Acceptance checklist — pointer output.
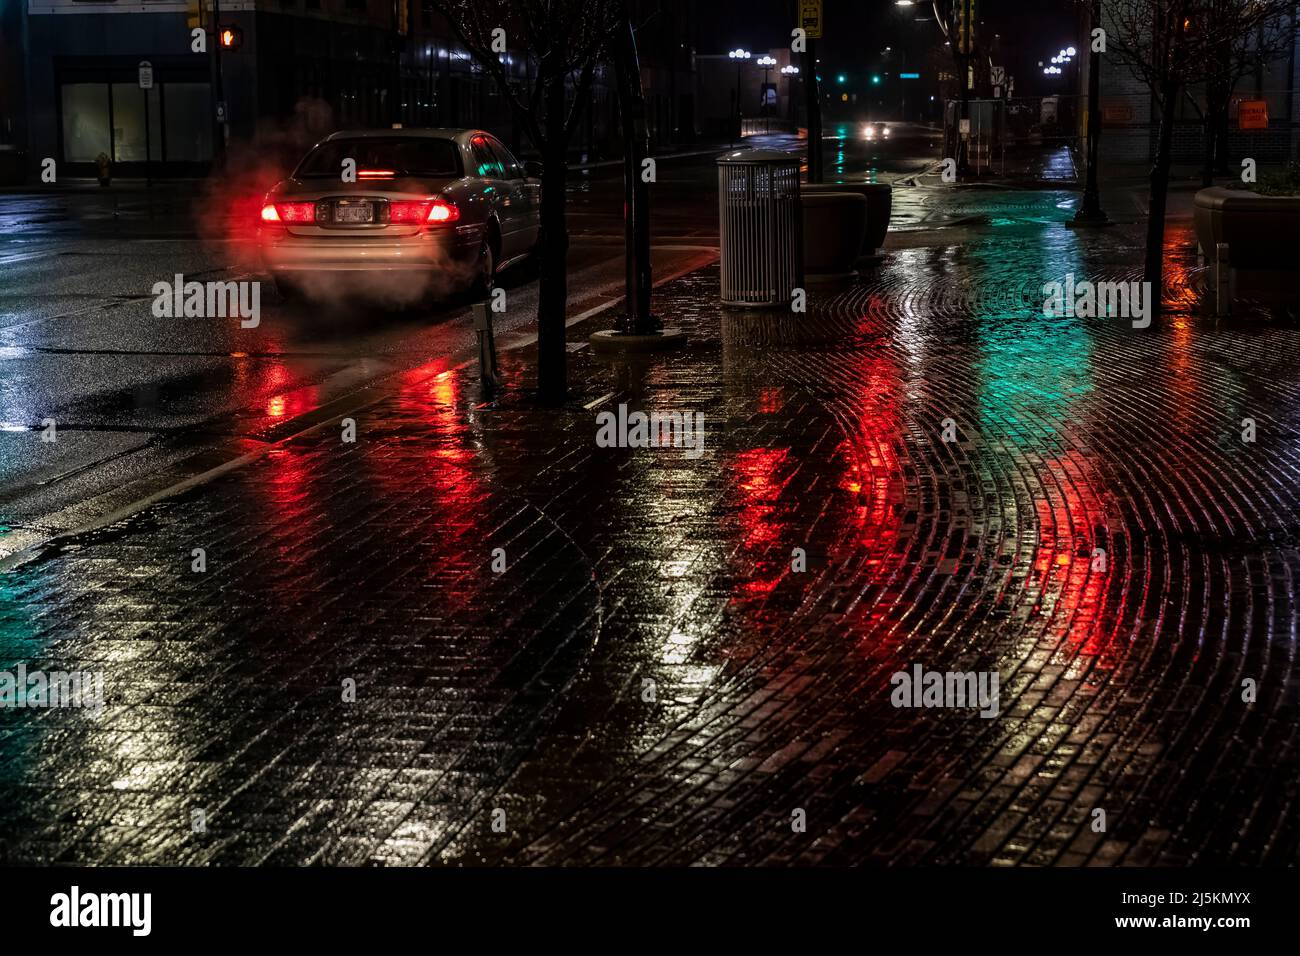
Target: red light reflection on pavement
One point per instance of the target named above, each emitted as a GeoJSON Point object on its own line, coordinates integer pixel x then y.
{"type": "Point", "coordinates": [433, 478]}
{"type": "Point", "coordinates": [294, 496]}
{"type": "Point", "coordinates": [294, 403]}
{"type": "Point", "coordinates": [875, 472]}
{"type": "Point", "coordinates": [755, 475]}
{"type": "Point", "coordinates": [1070, 593]}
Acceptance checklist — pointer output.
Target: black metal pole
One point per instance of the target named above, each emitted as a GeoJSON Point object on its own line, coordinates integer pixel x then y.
{"type": "Point", "coordinates": [148, 147]}
{"type": "Point", "coordinates": [639, 277]}
{"type": "Point", "coordinates": [812, 98]}
{"type": "Point", "coordinates": [395, 114]}
{"type": "Point", "coordinates": [736, 131]}
{"type": "Point", "coordinates": [767, 115]}
{"type": "Point", "coordinates": [963, 143]}
{"type": "Point", "coordinates": [222, 124]}
{"type": "Point", "coordinates": [1090, 211]}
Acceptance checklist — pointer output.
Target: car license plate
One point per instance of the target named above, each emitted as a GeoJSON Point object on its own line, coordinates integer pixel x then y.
{"type": "Point", "coordinates": [353, 212]}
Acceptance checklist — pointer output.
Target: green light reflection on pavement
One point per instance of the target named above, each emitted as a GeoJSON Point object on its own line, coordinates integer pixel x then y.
{"type": "Point", "coordinates": [1031, 368]}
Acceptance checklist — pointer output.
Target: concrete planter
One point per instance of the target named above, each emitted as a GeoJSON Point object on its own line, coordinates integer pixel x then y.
{"type": "Point", "coordinates": [1262, 239]}
{"type": "Point", "coordinates": [880, 206]}
{"type": "Point", "coordinates": [834, 224]}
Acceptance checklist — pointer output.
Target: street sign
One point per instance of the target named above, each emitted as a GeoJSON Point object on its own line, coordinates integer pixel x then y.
{"type": "Point", "coordinates": [998, 75]}
{"type": "Point", "coordinates": [146, 75]}
{"type": "Point", "coordinates": [1252, 114]}
{"type": "Point", "coordinates": [1117, 111]}
{"type": "Point", "coordinates": [964, 127]}
{"type": "Point", "coordinates": [810, 18]}
{"type": "Point", "coordinates": [221, 112]}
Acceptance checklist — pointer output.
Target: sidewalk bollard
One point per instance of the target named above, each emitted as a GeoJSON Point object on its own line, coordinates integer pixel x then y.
{"type": "Point", "coordinates": [1222, 279]}
{"type": "Point", "coordinates": [487, 347]}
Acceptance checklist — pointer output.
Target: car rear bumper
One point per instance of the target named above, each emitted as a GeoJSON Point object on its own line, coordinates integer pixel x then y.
{"type": "Point", "coordinates": [425, 252]}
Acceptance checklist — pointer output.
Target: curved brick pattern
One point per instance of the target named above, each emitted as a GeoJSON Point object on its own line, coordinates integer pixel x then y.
{"type": "Point", "coordinates": [980, 554]}
{"type": "Point", "coordinates": [644, 570]}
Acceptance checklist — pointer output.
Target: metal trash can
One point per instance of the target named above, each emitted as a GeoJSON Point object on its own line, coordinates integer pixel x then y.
{"type": "Point", "coordinates": [761, 227]}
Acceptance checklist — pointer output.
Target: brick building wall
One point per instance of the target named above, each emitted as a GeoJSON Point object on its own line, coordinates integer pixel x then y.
{"type": "Point", "coordinates": [1130, 122]}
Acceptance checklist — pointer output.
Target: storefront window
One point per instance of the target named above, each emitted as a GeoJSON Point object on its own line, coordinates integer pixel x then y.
{"type": "Point", "coordinates": [129, 132]}
{"type": "Point", "coordinates": [109, 117]}
{"type": "Point", "coordinates": [85, 121]}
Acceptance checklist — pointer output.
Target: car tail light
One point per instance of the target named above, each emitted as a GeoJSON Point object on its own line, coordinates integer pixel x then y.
{"type": "Point", "coordinates": [282, 212]}
{"type": "Point", "coordinates": [296, 211]}
{"type": "Point", "coordinates": [375, 174]}
{"type": "Point", "coordinates": [433, 212]}
{"type": "Point", "coordinates": [441, 211]}
{"type": "Point", "coordinates": [409, 212]}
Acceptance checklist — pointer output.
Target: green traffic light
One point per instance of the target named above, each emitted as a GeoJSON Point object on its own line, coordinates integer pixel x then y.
{"type": "Point", "coordinates": [841, 78]}
{"type": "Point", "coordinates": [875, 79]}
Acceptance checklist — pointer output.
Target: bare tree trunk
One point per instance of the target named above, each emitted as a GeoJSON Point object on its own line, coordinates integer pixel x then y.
{"type": "Point", "coordinates": [1222, 126]}
{"type": "Point", "coordinates": [1154, 268]}
{"type": "Point", "coordinates": [553, 243]}
{"type": "Point", "coordinates": [1208, 125]}
{"type": "Point", "coordinates": [1216, 119]}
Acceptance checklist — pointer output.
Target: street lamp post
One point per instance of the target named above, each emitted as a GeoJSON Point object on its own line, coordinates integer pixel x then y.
{"type": "Point", "coordinates": [766, 62]}
{"type": "Point", "coordinates": [790, 72]}
{"type": "Point", "coordinates": [740, 55]}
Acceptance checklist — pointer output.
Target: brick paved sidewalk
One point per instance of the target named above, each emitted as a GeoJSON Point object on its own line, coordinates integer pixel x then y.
{"type": "Point", "coordinates": [648, 681]}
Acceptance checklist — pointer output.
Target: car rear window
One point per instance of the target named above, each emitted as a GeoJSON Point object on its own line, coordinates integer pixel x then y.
{"type": "Point", "coordinates": [410, 157]}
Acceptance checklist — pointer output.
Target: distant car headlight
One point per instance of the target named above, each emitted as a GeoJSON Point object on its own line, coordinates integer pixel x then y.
{"type": "Point", "coordinates": [869, 132]}
{"type": "Point", "coordinates": [885, 130]}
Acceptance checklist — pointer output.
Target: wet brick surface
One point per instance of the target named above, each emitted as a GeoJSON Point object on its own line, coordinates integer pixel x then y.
{"type": "Point", "coordinates": [527, 691]}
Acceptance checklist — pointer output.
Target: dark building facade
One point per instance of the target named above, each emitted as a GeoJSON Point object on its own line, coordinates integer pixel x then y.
{"type": "Point", "coordinates": [299, 68]}
{"type": "Point", "coordinates": [13, 89]}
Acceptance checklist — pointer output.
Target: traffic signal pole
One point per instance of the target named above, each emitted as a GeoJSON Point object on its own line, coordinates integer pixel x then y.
{"type": "Point", "coordinates": [965, 46]}
{"type": "Point", "coordinates": [221, 121]}
{"type": "Point", "coordinates": [812, 99]}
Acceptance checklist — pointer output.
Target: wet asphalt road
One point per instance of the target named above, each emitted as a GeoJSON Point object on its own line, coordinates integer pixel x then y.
{"type": "Point", "coordinates": [131, 394]}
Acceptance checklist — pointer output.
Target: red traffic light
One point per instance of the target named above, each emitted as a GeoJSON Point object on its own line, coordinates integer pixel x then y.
{"type": "Point", "coordinates": [231, 38]}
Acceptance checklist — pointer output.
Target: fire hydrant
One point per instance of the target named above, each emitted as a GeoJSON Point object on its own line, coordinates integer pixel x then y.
{"type": "Point", "coordinates": [101, 163]}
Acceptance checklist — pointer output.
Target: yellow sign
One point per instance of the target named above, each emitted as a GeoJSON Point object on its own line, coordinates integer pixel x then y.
{"type": "Point", "coordinates": [810, 18]}
{"type": "Point", "coordinates": [1252, 114]}
{"type": "Point", "coordinates": [966, 20]}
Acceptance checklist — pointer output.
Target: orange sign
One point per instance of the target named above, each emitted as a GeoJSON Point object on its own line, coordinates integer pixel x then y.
{"type": "Point", "coordinates": [1117, 112]}
{"type": "Point", "coordinates": [1252, 114]}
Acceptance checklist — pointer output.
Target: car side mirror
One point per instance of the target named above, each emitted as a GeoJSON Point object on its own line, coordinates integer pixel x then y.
{"type": "Point", "coordinates": [533, 170]}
